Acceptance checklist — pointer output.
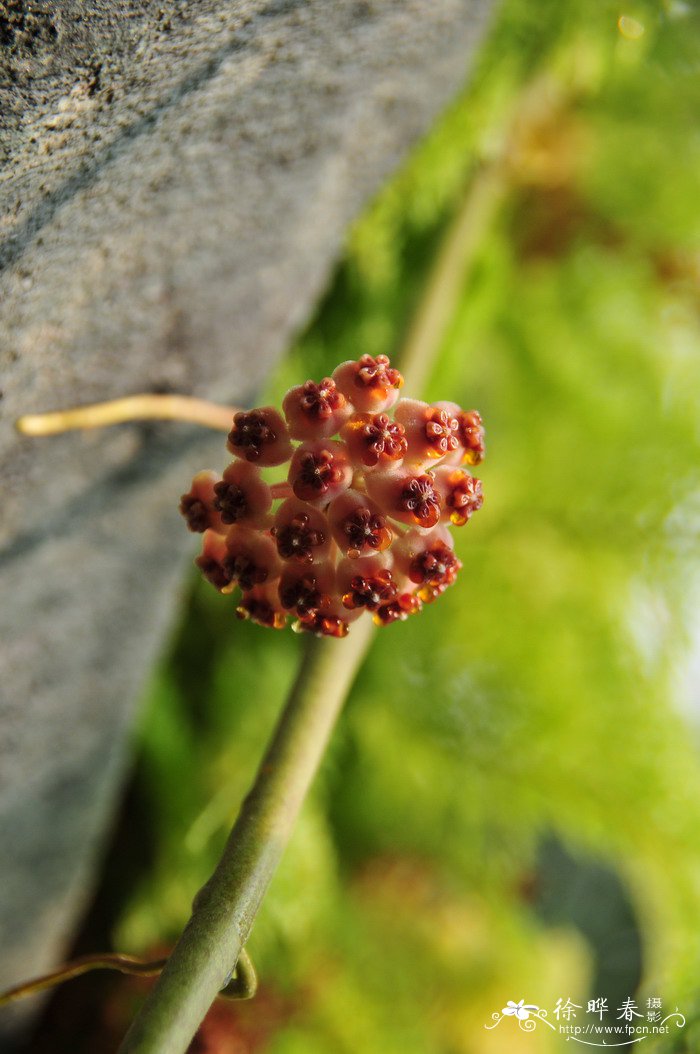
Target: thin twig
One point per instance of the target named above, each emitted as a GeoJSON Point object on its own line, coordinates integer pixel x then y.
{"type": "Point", "coordinates": [242, 985]}
{"type": "Point", "coordinates": [144, 407]}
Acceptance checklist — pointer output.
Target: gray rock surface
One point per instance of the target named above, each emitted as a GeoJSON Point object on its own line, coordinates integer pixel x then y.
{"type": "Point", "coordinates": [176, 181]}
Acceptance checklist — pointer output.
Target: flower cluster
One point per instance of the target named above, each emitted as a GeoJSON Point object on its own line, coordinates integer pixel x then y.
{"type": "Point", "coordinates": [361, 521]}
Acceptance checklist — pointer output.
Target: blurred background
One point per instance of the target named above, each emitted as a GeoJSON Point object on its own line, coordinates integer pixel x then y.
{"type": "Point", "coordinates": [510, 808]}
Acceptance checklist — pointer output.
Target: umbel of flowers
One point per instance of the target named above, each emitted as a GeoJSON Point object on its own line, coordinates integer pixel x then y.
{"type": "Point", "coordinates": [361, 521]}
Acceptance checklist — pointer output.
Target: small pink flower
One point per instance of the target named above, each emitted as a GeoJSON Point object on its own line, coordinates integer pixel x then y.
{"type": "Point", "coordinates": [304, 589]}
{"type": "Point", "coordinates": [428, 560]}
{"type": "Point", "coordinates": [301, 532]}
{"type": "Point", "coordinates": [251, 558]}
{"type": "Point", "coordinates": [397, 610]}
{"type": "Point", "coordinates": [471, 448]}
{"type": "Point", "coordinates": [260, 436]}
{"type": "Point", "coordinates": [320, 470]}
{"type": "Point", "coordinates": [407, 496]}
{"type": "Point", "coordinates": [212, 560]}
{"type": "Point", "coordinates": [261, 604]}
{"type": "Point", "coordinates": [358, 525]}
{"type": "Point", "coordinates": [331, 621]}
{"type": "Point", "coordinates": [366, 583]}
{"type": "Point", "coordinates": [369, 384]}
{"type": "Point", "coordinates": [432, 432]}
{"type": "Point", "coordinates": [461, 494]}
{"type": "Point", "coordinates": [242, 496]}
{"type": "Point", "coordinates": [374, 439]}
{"type": "Point", "coordinates": [315, 411]}
{"type": "Point", "coordinates": [198, 506]}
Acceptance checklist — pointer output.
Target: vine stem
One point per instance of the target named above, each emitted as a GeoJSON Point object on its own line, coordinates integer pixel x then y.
{"type": "Point", "coordinates": [224, 910]}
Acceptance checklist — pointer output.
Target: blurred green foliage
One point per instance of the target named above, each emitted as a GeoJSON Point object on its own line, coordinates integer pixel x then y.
{"type": "Point", "coordinates": [511, 805]}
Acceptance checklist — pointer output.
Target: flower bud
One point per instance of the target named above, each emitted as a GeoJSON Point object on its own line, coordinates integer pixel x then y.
{"type": "Point", "coordinates": [260, 436]}
{"type": "Point", "coordinates": [367, 383]}
{"type": "Point", "coordinates": [320, 470]}
{"type": "Point", "coordinates": [315, 411]}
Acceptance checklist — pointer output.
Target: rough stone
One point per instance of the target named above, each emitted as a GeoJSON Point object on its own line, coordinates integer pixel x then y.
{"type": "Point", "coordinates": [176, 181]}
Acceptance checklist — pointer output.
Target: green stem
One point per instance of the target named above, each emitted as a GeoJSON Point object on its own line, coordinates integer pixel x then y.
{"type": "Point", "coordinates": [225, 907]}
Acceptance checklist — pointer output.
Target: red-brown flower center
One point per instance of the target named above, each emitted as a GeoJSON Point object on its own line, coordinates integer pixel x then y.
{"type": "Point", "coordinates": [231, 501]}
{"type": "Point", "coordinates": [213, 571]}
{"type": "Point", "coordinates": [471, 432]}
{"type": "Point", "coordinates": [262, 612]}
{"type": "Point", "coordinates": [320, 400]}
{"type": "Point", "coordinates": [381, 435]}
{"type": "Point", "coordinates": [242, 569]}
{"type": "Point", "coordinates": [323, 625]}
{"type": "Point", "coordinates": [195, 512]}
{"type": "Point", "coordinates": [370, 592]}
{"type": "Point", "coordinates": [251, 432]}
{"type": "Point", "coordinates": [377, 373]}
{"type": "Point", "coordinates": [317, 474]}
{"type": "Point", "coordinates": [436, 567]}
{"type": "Point", "coordinates": [298, 539]}
{"type": "Point", "coordinates": [397, 609]}
{"type": "Point", "coordinates": [303, 595]}
{"type": "Point", "coordinates": [441, 432]}
{"type": "Point", "coordinates": [366, 530]}
{"type": "Point", "coordinates": [465, 498]}
{"type": "Point", "coordinates": [419, 498]}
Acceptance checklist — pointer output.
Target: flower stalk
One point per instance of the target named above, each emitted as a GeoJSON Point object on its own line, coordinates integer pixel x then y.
{"type": "Point", "coordinates": [225, 908]}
